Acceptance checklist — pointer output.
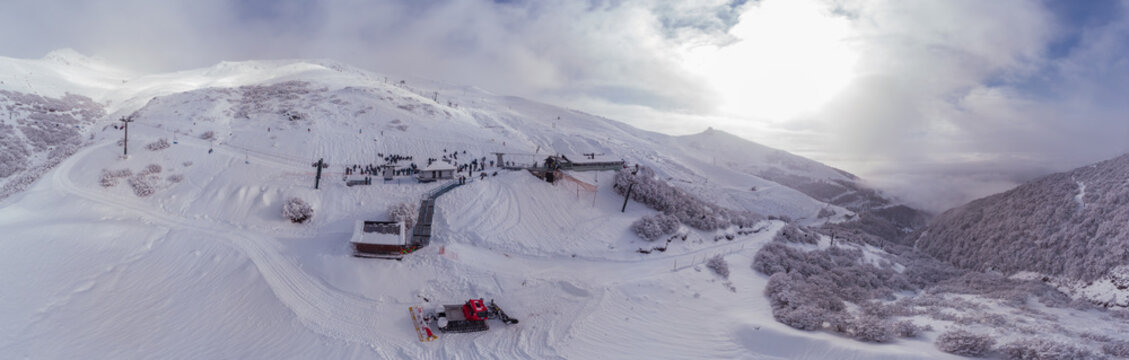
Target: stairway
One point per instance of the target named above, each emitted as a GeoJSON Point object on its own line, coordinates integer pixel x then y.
{"type": "Point", "coordinates": [421, 232]}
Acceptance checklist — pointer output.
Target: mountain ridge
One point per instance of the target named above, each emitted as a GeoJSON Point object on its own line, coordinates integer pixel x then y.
{"type": "Point", "coordinates": [1067, 227]}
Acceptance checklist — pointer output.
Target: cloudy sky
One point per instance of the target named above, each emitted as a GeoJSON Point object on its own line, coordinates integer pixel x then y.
{"type": "Point", "coordinates": [935, 101]}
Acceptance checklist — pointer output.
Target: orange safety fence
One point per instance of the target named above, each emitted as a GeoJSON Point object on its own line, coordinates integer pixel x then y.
{"type": "Point", "coordinates": [579, 183]}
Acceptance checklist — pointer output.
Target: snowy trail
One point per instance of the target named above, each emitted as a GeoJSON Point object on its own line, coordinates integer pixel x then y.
{"type": "Point", "coordinates": [321, 308]}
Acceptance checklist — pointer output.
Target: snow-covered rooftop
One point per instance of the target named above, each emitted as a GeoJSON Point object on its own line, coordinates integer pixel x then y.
{"type": "Point", "coordinates": [585, 159]}
{"type": "Point", "coordinates": [438, 166]}
{"type": "Point", "coordinates": [378, 233]}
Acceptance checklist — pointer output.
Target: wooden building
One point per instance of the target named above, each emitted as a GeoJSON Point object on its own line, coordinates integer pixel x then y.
{"type": "Point", "coordinates": [380, 239]}
{"type": "Point", "coordinates": [438, 170]}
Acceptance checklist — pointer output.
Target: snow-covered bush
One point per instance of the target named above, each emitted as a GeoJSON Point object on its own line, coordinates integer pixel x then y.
{"type": "Point", "coordinates": [800, 304]}
{"type": "Point", "coordinates": [877, 309]}
{"type": "Point", "coordinates": [1044, 349]}
{"type": "Point", "coordinates": [297, 210]}
{"type": "Point", "coordinates": [110, 177]}
{"type": "Point", "coordinates": [997, 286]}
{"type": "Point", "coordinates": [13, 154]}
{"type": "Point", "coordinates": [143, 185]}
{"type": "Point", "coordinates": [825, 213]}
{"type": "Point", "coordinates": [906, 329]}
{"type": "Point", "coordinates": [44, 133]}
{"type": "Point", "coordinates": [803, 317]}
{"type": "Point", "coordinates": [1116, 348]}
{"type": "Point", "coordinates": [775, 258]}
{"type": "Point", "coordinates": [793, 234]}
{"type": "Point", "coordinates": [964, 343]}
{"type": "Point", "coordinates": [278, 99]}
{"type": "Point", "coordinates": [719, 266]}
{"type": "Point", "coordinates": [688, 209]}
{"type": "Point", "coordinates": [872, 329]}
{"type": "Point", "coordinates": [922, 270]}
{"type": "Point", "coordinates": [405, 212]}
{"type": "Point", "coordinates": [160, 144]}
{"type": "Point", "coordinates": [175, 178]}
{"type": "Point", "coordinates": [152, 169]}
{"type": "Point", "coordinates": [107, 180]}
{"type": "Point", "coordinates": [653, 227]}
{"type": "Point", "coordinates": [208, 135]}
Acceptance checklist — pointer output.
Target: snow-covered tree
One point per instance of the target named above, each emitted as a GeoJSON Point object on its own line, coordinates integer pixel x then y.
{"type": "Point", "coordinates": [1067, 224]}
{"type": "Point", "coordinates": [688, 209]}
{"type": "Point", "coordinates": [39, 133]}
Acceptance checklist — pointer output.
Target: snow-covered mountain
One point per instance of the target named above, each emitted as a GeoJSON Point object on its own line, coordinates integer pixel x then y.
{"type": "Point", "coordinates": [233, 98]}
{"type": "Point", "coordinates": [1068, 229]}
{"type": "Point", "coordinates": [179, 250]}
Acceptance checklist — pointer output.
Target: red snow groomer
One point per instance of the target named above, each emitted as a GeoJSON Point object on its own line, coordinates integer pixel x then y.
{"type": "Point", "coordinates": [468, 317]}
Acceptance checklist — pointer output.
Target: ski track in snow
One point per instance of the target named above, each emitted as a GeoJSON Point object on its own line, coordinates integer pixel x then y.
{"type": "Point", "coordinates": [323, 309]}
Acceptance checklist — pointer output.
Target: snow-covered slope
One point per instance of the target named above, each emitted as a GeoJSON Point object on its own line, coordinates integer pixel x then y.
{"type": "Point", "coordinates": [1066, 228]}
{"type": "Point", "coordinates": [180, 250]}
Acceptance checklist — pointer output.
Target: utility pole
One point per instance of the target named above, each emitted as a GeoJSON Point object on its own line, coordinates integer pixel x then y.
{"type": "Point", "coordinates": [320, 165]}
{"type": "Point", "coordinates": [626, 196]}
{"type": "Point", "coordinates": [125, 143]}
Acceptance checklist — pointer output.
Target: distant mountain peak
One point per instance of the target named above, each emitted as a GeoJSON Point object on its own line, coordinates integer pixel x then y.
{"type": "Point", "coordinates": [68, 56]}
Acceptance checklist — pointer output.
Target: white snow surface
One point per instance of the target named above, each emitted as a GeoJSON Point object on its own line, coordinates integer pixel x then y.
{"type": "Point", "coordinates": [206, 267]}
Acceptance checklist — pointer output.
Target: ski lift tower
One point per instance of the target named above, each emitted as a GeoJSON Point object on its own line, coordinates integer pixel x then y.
{"type": "Point", "coordinates": [125, 142]}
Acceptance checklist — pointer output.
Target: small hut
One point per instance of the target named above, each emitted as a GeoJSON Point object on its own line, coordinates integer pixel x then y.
{"type": "Point", "coordinates": [354, 180]}
{"type": "Point", "coordinates": [380, 239]}
{"type": "Point", "coordinates": [438, 170]}
{"type": "Point", "coordinates": [388, 170]}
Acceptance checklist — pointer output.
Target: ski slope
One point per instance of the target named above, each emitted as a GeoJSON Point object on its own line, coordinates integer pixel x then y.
{"type": "Point", "coordinates": [206, 267]}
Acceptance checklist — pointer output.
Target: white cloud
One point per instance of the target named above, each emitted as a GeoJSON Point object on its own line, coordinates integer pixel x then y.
{"type": "Point", "coordinates": [787, 58]}
{"type": "Point", "coordinates": [888, 89]}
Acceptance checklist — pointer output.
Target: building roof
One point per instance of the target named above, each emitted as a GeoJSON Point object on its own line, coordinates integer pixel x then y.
{"type": "Point", "coordinates": [599, 158]}
{"type": "Point", "coordinates": [379, 233]}
{"type": "Point", "coordinates": [439, 166]}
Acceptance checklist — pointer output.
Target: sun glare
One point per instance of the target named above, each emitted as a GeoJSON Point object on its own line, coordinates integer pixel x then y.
{"type": "Point", "coordinates": [791, 57]}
